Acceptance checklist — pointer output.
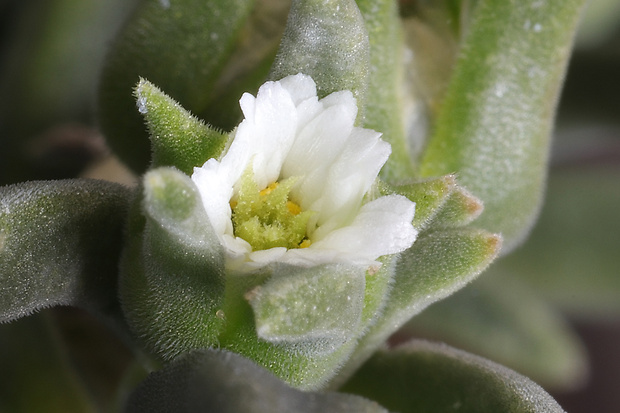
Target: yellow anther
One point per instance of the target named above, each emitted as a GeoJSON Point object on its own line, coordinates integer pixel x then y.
{"type": "Point", "coordinates": [233, 204]}
{"type": "Point", "coordinates": [305, 243]}
{"type": "Point", "coordinates": [293, 208]}
{"type": "Point", "coordinates": [269, 188]}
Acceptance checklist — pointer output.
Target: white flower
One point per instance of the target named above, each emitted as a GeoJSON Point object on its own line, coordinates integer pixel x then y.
{"type": "Point", "coordinates": [289, 133]}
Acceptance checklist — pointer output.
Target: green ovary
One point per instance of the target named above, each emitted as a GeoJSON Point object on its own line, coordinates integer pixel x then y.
{"type": "Point", "coordinates": [268, 218]}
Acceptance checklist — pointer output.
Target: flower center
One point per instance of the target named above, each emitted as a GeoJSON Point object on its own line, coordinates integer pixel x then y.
{"type": "Point", "coordinates": [267, 218]}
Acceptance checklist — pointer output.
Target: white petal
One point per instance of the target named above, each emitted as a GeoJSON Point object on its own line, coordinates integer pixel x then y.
{"type": "Point", "coordinates": [237, 251]}
{"type": "Point", "coordinates": [307, 110]}
{"type": "Point", "coordinates": [235, 161]}
{"type": "Point", "coordinates": [342, 98]}
{"type": "Point", "coordinates": [215, 187]}
{"type": "Point", "coordinates": [314, 150]}
{"type": "Point", "coordinates": [350, 177]}
{"type": "Point", "coordinates": [265, 257]}
{"type": "Point", "coordinates": [382, 227]}
{"type": "Point", "coordinates": [235, 245]}
{"type": "Point", "coordinates": [308, 257]}
{"type": "Point", "coordinates": [269, 128]}
{"type": "Point", "coordinates": [300, 87]}
{"type": "Point", "coordinates": [248, 105]}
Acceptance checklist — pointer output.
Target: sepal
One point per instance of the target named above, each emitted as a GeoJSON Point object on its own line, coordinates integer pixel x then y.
{"type": "Point", "coordinates": [321, 304]}
{"type": "Point", "coordinates": [172, 274]}
{"type": "Point", "coordinates": [460, 209]}
{"type": "Point", "coordinates": [178, 138]}
{"type": "Point", "coordinates": [440, 202]}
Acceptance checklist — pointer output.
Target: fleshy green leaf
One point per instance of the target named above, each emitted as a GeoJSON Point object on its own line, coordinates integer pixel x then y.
{"type": "Point", "coordinates": [425, 377]}
{"type": "Point", "coordinates": [60, 243]}
{"type": "Point", "coordinates": [179, 45]}
{"type": "Point", "coordinates": [177, 137]}
{"type": "Point", "coordinates": [494, 124]}
{"type": "Point", "coordinates": [310, 304]}
{"type": "Point", "coordinates": [437, 264]}
{"type": "Point", "coordinates": [507, 322]}
{"type": "Point", "coordinates": [172, 279]}
{"type": "Point", "coordinates": [216, 381]}
{"type": "Point", "coordinates": [38, 375]}
{"type": "Point", "coordinates": [327, 40]}
{"type": "Point", "coordinates": [384, 99]}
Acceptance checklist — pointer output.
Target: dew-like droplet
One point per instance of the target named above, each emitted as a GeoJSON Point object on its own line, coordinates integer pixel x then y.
{"type": "Point", "coordinates": [142, 104]}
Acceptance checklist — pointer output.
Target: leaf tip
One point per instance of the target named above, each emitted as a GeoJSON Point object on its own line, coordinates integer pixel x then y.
{"type": "Point", "coordinates": [494, 244]}
{"type": "Point", "coordinates": [449, 181]}
{"type": "Point", "coordinates": [140, 93]}
{"type": "Point", "coordinates": [473, 205]}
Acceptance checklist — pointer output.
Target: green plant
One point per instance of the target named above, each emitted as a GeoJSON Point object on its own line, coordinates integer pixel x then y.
{"type": "Point", "coordinates": [464, 94]}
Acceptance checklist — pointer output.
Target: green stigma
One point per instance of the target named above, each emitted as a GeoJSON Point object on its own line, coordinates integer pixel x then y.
{"type": "Point", "coordinates": [267, 218]}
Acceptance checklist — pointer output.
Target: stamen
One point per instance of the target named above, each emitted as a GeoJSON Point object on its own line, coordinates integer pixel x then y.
{"type": "Point", "coordinates": [293, 208]}
{"type": "Point", "coordinates": [269, 189]}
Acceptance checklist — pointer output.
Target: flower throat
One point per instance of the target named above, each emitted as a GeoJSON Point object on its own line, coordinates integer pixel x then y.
{"type": "Point", "coordinates": [267, 218]}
